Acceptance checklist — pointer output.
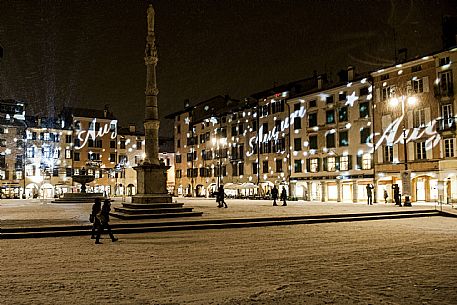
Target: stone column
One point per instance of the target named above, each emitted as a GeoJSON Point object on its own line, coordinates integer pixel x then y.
{"type": "Point", "coordinates": [355, 196]}
{"type": "Point", "coordinates": [338, 187]}
{"type": "Point", "coordinates": [323, 191]}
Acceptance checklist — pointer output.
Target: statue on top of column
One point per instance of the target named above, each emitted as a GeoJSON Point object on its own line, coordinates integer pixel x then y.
{"type": "Point", "coordinates": [150, 19]}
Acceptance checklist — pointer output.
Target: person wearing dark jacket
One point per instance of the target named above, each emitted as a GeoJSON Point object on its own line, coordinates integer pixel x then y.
{"type": "Point", "coordinates": [96, 208]}
{"type": "Point", "coordinates": [274, 195]}
{"type": "Point", "coordinates": [221, 197]}
{"type": "Point", "coordinates": [284, 196]}
{"type": "Point", "coordinates": [103, 217]}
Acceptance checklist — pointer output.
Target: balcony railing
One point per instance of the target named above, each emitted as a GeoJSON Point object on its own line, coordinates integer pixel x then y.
{"type": "Point", "coordinates": [447, 124]}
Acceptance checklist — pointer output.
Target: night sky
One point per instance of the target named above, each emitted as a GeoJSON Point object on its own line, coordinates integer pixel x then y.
{"type": "Point", "coordinates": [90, 53]}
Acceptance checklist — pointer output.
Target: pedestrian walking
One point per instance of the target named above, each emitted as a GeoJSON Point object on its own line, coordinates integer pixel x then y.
{"type": "Point", "coordinates": [370, 193]}
{"type": "Point", "coordinates": [396, 194]}
{"type": "Point", "coordinates": [96, 208]}
{"type": "Point", "coordinates": [386, 195]}
{"type": "Point", "coordinates": [221, 197]}
{"type": "Point", "coordinates": [103, 217]}
{"type": "Point", "coordinates": [284, 196]}
{"type": "Point", "coordinates": [274, 195]}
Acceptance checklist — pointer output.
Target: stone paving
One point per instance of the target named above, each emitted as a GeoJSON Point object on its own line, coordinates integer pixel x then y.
{"type": "Point", "coordinates": [36, 213]}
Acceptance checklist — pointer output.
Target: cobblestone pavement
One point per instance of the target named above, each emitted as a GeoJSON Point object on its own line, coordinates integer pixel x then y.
{"type": "Point", "coordinates": [398, 261]}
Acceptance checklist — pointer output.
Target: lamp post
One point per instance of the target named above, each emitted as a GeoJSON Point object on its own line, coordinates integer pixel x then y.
{"type": "Point", "coordinates": [406, 180]}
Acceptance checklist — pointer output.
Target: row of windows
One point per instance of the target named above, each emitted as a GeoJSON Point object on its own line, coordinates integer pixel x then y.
{"type": "Point", "coordinates": [313, 165]}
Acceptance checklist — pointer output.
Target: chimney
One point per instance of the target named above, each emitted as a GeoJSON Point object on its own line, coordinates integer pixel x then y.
{"type": "Point", "coordinates": [132, 128]}
{"type": "Point", "coordinates": [351, 73]}
{"type": "Point", "coordinates": [105, 111]}
{"type": "Point", "coordinates": [319, 82]}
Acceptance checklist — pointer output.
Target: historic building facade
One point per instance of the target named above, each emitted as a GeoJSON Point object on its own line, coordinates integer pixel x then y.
{"type": "Point", "coordinates": [331, 144]}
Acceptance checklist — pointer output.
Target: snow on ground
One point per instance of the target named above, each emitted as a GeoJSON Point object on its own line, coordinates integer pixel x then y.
{"type": "Point", "coordinates": [400, 261]}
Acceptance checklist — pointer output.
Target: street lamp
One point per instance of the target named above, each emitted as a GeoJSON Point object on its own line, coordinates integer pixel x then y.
{"type": "Point", "coordinates": [218, 143]}
{"type": "Point", "coordinates": [394, 102]}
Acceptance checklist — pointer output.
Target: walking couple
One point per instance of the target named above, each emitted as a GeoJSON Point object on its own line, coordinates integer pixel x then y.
{"type": "Point", "coordinates": [100, 218]}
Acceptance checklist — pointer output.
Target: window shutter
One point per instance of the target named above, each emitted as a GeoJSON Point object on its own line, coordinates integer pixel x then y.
{"type": "Point", "coordinates": [411, 155]}
{"type": "Point", "coordinates": [428, 150]}
{"type": "Point", "coordinates": [7, 174]}
{"type": "Point", "coordinates": [359, 162]}
{"type": "Point", "coordinates": [378, 94]}
{"type": "Point", "coordinates": [380, 154]}
{"type": "Point", "coordinates": [426, 85]}
{"type": "Point", "coordinates": [318, 164]}
{"type": "Point", "coordinates": [409, 88]}
{"type": "Point", "coordinates": [395, 157]}
{"type": "Point", "coordinates": [307, 166]}
{"type": "Point", "coordinates": [427, 116]}
{"type": "Point", "coordinates": [349, 162]}
{"type": "Point", "coordinates": [386, 121]}
{"type": "Point", "coordinates": [337, 163]}
{"type": "Point", "coordinates": [410, 118]}
{"type": "Point", "coordinates": [324, 160]}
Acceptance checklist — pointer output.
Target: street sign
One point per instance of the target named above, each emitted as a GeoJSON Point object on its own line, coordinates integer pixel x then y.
{"type": "Point", "coordinates": [406, 182]}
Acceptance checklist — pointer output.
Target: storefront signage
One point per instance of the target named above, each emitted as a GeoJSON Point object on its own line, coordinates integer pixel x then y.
{"type": "Point", "coordinates": [85, 135]}
{"type": "Point", "coordinates": [265, 137]}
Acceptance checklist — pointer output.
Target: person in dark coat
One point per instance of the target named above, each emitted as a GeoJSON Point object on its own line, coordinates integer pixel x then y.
{"type": "Point", "coordinates": [396, 194]}
{"type": "Point", "coordinates": [370, 193]}
{"type": "Point", "coordinates": [221, 197]}
{"type": "Point", "coordinates": [96, 208]}
{"type": "Point", "coordinates": [284, 196]}
{"type": "Point", "coordinates": [386, 195]}
{"type": "Point", "coordinates": [103, 217]}
{"type": "Point", "coordinates": [274, 195]}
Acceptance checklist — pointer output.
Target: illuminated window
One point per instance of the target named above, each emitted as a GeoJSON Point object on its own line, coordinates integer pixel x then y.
{"type": "Point", "coordinates": [314, 165]}
{"type": "Point", "coordinates": [46, 136]}
{"type": "Point", "coordinates": [97, 174]}
{"type": "Point", "coordinates": [2, 174]}
{"type": "Point", "coordinates": [30, 170]}
{"type": "Point", "coordinates": [67, 154]}
{"type": "Point", "coordinates": [449, 147]}
{"type": "Point", "coordinates": [331, 164]}
{"type": "Point", "coordinates": [366, 161]}
{"type": "Point", "coordinates": [90, 172]}
{"type": "Point", "coordinates": [420, 151]}
{"type": "Point", "coordinates": [30, 152]}
{"type": "Point", "coordinates": [344, 163]}
{"type": "Point", "coordinates": [19, 175]}
{"type": "Point", "coordinates": [76, 171]}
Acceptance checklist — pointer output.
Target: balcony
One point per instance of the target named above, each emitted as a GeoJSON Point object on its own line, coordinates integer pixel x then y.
{"type": "Point", "coordinates": [446, 124]}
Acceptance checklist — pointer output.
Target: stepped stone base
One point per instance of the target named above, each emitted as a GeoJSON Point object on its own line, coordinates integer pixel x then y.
{"type": "Point", "coordinates": [78, 197]}
{"type": "Point", "coordinates": [152, 206]}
